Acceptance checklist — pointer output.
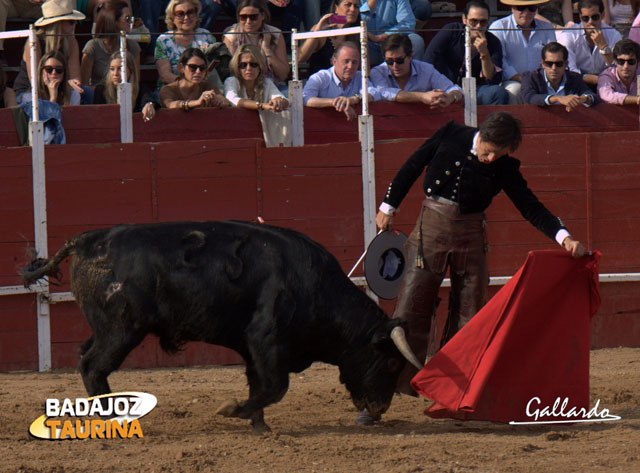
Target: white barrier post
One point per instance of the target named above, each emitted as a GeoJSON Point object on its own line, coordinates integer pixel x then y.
{"type": "Point", "coordinates": [36, 138]}
{"type": "Point", "coordinates": [295, 96]}
{"type": "Point", "coordinates": [469, 84]}
{"type": "Point", "coordinates": [124, 96]}
{"type": "Point", "coordinates": [365, 132]}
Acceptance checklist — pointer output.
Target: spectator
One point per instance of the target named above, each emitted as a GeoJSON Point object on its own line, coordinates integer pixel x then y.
{"type": "Point", "coordinates": [618, 84]}
{"type": "Point", "coordinates": [97, 52]}
{"type": "Point", "coordinates": [318, 51]}
{"type": "Point", "coordinates": [248, 87]}
{"type": "Point", "coordinates": [590, 47]}
{"type": "Point", "coordinates": [191, 90]}
{"type": "Point", "coordinates": [252, 27]}
{"type": "Point", "coordinates": [212, 8]}
{"type": "Point", "coordinates": [554, 84]}
{"type": "Point", "coordinates": [446, 52]}
{"type": "Point", "coordinates": [557, 12]}
{"type": "Point", "coordinates": [55, 31]}
{"type": "Point", "coordinates": [7, 95]}
{"type": "Point", "coordinates": [621, 14]}
{"type": "Point", "coordinates": [290, 12]}
{"type": "Point", "coordinates": [52, 83]}
{"type": "Point", "coordinates": [634, 34]}
{"type": "Point", "coordinates": [385, 17]}
{"type": "Point", "coordinates": [340, 86]}
{"type": "Point", "coordinates": [182, 18]}
{"type": "Point", "coordinates": [106, 91]}
{"type": "Point", "coordinates": [22, 8]}
{"type": "Point", "coordinates": [522, 40]}
{"type": "Point", "coordinates": [401, 78]}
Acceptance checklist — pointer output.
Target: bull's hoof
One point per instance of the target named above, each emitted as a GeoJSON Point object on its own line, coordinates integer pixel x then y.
{"type": "Point", "coordinates": [228, 408]}
{"type": "Point", "coordinates": [365, 418]}
{"type": "Point", "coordinates": [260, 427]}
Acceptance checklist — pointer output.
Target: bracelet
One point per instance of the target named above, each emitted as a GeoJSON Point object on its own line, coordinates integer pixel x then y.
{"type": "Point", "coordinates": [259, 105]}
{"type": "Point", "coordinates": [185, 106]}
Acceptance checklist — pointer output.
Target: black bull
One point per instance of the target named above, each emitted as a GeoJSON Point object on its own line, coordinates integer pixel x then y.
{"type": "Point", "coordinates": [273, 295]}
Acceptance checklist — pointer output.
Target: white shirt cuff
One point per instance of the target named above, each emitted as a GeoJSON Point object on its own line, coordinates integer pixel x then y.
{"type": "Point", "coordinates": [386, 208]}
{"type": "Point", "coordinates": [561, 235]}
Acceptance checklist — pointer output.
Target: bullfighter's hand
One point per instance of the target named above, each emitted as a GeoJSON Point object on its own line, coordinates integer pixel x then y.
{"type": "Point", "coordinates": [574, 247]}
{"type": "Point", "coordinates": [384, 221]}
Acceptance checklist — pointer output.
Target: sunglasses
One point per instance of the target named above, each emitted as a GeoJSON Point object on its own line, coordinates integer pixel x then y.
{"type": "Point", "coordinates": [50, 69]}
{"type": "Point", "coordinates": [622, 62]}
{"type": "Point", "coordinates": [252, 17]}
{"type": "Point", "coordinates": [531, 8]}
{"type": "Point", "coordinates": [474, 23]}
{"type": "Point", "coordinates": [586, 18]}
{"type": "Point", "coordinates": [550, 64]}
{"type": "Point", "coordinates": [182, 14]}
{"type": "Point", "coordinates": [244, 65]}
{"type": "Point", "coordinates": [197, 67]}
{"type": "Point", "coordinates": [397, 60]}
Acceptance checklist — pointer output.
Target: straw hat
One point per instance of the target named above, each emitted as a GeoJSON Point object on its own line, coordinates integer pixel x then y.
{"type": "Point", "coordinates": [58, 10]}
{"type": "Point", "coordinates": [518, 3]}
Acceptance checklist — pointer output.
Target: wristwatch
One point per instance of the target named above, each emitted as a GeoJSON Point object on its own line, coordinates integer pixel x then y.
{"type": "Point", "coordinates": [358, 97]}
{"type": "Point", "coordinates": [606, 51]}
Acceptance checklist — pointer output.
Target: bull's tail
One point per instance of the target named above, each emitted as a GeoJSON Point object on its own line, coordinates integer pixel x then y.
{"type": "Point", "coordinates": [41, 267]}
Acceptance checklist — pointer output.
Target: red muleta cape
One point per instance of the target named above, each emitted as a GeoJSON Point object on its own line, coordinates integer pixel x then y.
{"type": "Point", "coordinates": [530, 340]}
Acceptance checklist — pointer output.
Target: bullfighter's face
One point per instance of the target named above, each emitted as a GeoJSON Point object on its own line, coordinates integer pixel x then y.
{"type": "Point", "coordinates": [488, 152]}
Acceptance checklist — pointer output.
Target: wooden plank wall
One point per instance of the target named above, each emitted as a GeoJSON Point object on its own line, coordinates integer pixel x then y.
{"type": "Point", "coordinates": [589, 179]}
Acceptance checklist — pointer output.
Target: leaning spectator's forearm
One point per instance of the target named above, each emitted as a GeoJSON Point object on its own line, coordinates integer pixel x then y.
{"type": "Point", "coordinates": [630, 100]}
{"type": "Point", "coordinates": [317, 102]}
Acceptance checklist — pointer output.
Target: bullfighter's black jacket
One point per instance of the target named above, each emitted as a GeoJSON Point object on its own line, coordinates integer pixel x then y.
{"type": "Point", "coordinates": [455, 174]}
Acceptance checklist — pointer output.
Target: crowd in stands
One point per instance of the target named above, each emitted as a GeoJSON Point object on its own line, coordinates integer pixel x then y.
{"type": "Point", "coordinates": [537, 54]}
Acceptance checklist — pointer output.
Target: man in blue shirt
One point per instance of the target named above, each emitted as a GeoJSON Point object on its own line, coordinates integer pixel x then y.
{"type": "Point", "coordinates": [401, 78]}
{"type": "Point", "coordinates": [385, 17]}
{"type": "Point", "coordinates": [339, 86]}
{"type": "Point", "coordinates": [522, 40]}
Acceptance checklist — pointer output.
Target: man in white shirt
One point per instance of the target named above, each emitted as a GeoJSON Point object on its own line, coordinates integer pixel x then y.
{"type": "Point", "coordinates": [591, 47]}
{"type": "Point", "coordinates": [522, 40]}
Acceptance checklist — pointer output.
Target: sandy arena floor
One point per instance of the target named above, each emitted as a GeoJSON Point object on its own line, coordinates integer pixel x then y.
{"type": "Point", "coordinates": [313, 429]}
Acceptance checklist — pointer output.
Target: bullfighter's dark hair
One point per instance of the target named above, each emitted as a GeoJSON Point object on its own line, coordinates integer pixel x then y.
{"type": "Point", "coordinates": [395, 41]}
{"type": "Point", "coordinates": [502, 129]}
{"type": "Point", "coordinates": [554, 47]}
{"type": "Point", "coordinates": [626, 47]}
{"type": "Point", "coordinates": [475, 4]}
{"type": "Point", "coordinates": [590, 4]}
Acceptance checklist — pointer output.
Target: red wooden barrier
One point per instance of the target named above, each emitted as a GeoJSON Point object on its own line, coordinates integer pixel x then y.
{"type": "Point", "coordinates": [317, 190]}
{"type": "Point", "coordinates": [101, 123]}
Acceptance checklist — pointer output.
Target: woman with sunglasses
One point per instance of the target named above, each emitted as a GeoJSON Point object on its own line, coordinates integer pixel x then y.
{"type": "Point", "coordinates": [55, 31]}
{"type": "Point", "coordinates": [52, 81]}
{"type": "Point", "coordinates": [319, 51]}
{"type": "Point", "coordinates": [248, 87]}
{"type": "Point", "coordinates": [252, 28]}
{"type": "Point", "coordinates": [111, 20]}
{"type": "Point", "coordinates": [183, 20]}
{"type": "Point", "coordinates": [191, 90]}
{"type": "Point", "coordinates": [106, 91]}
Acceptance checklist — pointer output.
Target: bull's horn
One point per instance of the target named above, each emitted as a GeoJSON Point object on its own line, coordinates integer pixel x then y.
{"type": "Point", "coordinates": [400, 341]}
